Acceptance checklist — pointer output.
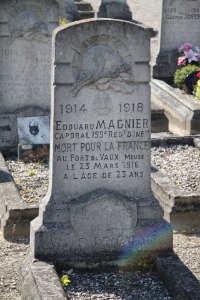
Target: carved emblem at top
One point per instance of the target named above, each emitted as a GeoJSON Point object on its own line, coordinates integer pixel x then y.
{"type": "Point", "coordinates": [27, 20]}
{"type": "Point", "coordinates": [100, 66]}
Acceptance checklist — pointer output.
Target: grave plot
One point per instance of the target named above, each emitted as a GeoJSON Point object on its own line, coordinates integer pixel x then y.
{"type": "Point", "coordinates": [179, 25]}
{"type": "Point", "coordinates": [142, 277]}
{"type": "Point", "coordinates": [181, 110]}
{"type": "Point", "coordinates": [175, 182]}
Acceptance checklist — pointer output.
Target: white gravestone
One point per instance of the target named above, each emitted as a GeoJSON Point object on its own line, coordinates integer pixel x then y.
{"type": "Point", "coordinates": [180, 23]}
{"type": "Point", "coordinates": [99, 198]}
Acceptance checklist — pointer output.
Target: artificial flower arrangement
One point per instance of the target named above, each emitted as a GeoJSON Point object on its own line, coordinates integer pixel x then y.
{"type": "Point", "coordinates": [197, 86]}
{"type": "Point", "coordinates": [187, 76]}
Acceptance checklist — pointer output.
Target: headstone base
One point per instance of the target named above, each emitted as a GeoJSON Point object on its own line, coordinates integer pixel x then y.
{"type": "Point", "coordinates": [166, 66]}
{"type": "Point", "coordinates": [124, 235]}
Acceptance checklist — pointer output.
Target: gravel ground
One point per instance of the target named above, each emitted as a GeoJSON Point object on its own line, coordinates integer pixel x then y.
{"type": "Point", "coordinates": [11, 257]}
{"type": "Point", "coordinates": [116, 286]}
{"type": "Point", "coordinates": [31, 179]}
{"type": "Point", "coordinates": [181, 164]}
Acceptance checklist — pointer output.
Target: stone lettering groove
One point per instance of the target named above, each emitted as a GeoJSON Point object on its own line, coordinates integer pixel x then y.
{"type": "Point", "coordinates": [99, 194]}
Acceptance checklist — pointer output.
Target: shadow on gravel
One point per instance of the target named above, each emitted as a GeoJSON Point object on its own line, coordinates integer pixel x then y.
{"type": "Point", "coordinates": [5, 177]}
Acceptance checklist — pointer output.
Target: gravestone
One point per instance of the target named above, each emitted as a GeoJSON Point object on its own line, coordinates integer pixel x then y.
{"type": "Point", "coordinates": [114, 9]}
{"type": "Point", "coordinates": [99, 209]}
{"type": "Point", "coordinates": [25, 58]}
{"type": "Point", "coordinates": [179, 24]}
{"type": "Point", "coordinates": [71, 11]}
{"type": "Point", "coordinates": [85, 9]}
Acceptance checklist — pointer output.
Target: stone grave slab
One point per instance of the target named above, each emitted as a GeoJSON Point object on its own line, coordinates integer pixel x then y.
{"type": "Point", "coordinates": [99, 201]}
{"type": "Point", "coordinates": [179, 24]}
{"type": "Point", "coordinates": [181, 110]}
{"type": "Point", "coordinates": [15, 215]}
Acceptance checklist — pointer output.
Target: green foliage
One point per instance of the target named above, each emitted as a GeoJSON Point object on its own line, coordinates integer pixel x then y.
{"type": "Point", "coordinates": [197, 90]}
{"type": "Point", "coordinates": [143, 266]}
{"type": "Point", "coordinates": [31, 172]}
{"type": "Point", "coordinates": [62, 21]}
{"type": "Point", "coordinates": [198, 93]}
{"type": "Point", "coordinates": [182, 73]}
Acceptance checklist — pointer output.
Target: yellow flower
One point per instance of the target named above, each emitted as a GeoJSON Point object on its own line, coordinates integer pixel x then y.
{"type": "Point", "coordinates": [65, 280]}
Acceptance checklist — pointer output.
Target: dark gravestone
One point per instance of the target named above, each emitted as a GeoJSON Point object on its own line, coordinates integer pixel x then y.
{"type": "Point", "coordinates": [71, 11]}
{"type": "Point", "coordinates": [115, 9]}
{"type": "Point", "coordinates": [190, 82]}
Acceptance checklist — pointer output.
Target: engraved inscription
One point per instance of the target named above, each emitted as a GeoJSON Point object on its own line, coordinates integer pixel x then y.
{"type": "Point", "coordinates": [101, 117]}
{"type": "Point", "coordinates": [100, 149]}
{"type": "Point", "coordinates": [186, 10]}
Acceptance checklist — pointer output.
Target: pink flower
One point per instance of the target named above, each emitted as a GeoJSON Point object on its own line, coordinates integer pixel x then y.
{"type": "Point", "coordinates": [186, 47]}
{"type": "Point", "coordinates": [182, 61]}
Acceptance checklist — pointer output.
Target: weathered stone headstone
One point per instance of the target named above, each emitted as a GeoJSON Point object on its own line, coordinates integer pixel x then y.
{"type": "Point", "coordinates": [25, 58]}
{"type": "Point", "coordinates": [179, 24]}
{"type": "Point", "coordinates": [99, 204]}
{"type": "Point", "coordinates": [71, 11]}
{"type": "Point", "coordinates": [114, 9]}
{"type": "Point", "coordinates": [85, 9]}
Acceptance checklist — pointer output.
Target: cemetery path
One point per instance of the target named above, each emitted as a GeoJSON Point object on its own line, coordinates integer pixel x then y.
{"type": "Point", "coordinates": [11, 257]}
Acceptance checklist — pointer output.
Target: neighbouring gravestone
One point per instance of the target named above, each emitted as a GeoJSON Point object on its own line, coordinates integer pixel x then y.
{"type": "Point", "coordinates": [99, 209]}
{"type": "Point", "coordinates": [25, 61]}
{"type": "Point", "coordinates": [114, 9]}
{"type": "Point", "coordinates": [71, 11]}
{"type": "Point", "coordinates": [179, 24]}
{"type": "Point", "coordinates": [85, 9]}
